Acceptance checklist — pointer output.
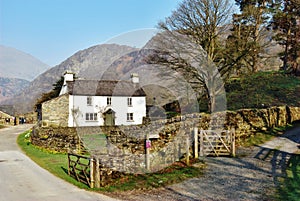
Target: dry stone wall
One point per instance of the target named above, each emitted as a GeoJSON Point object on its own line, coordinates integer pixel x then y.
{"type": "Point", "coordinates": [122, 148]}
{"type": "Point", "coordinates": [131, 138]}
{"type": "Point", "coordinates": [56, 112]}
{"type": "Point", "coordinates": [55, 139]}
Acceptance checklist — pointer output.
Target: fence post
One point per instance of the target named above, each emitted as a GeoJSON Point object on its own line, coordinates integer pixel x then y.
{"type": "Point", "coordinates": [97, 174]}
{"type": "Point", "coordinates": [148, 146]}
{"type": "Point", "coordinates": [187, 150]}
{"type": "Point", "coordinates": [92, 176]}
{"type": "Point", "coordinates": [201, 143]}
{"type": "Point", "coordinates": [232, 138]}
{"type": "Point", "coordinates": [196, 150]}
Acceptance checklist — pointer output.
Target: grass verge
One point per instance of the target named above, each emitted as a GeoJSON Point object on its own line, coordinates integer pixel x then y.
{"type": "Point", "coordinates": [57, 164]}
{"type": "Point", "coordinates": [290, 188]}
{"type": "Point", "coordinates": [175, 173]}
{"type": "Point", "coordinates": [2, 126]}
{"type": "Point", "coordinates": [264, 136]}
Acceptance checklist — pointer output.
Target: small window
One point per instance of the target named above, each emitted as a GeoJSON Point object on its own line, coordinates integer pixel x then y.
{"type": "Point", "coordinates": [91, 117]}
{"type": "Point", "coordinates": [129, 116]}
{"type": "Point", "coordinates": [89, 100]}
{"type": "Point", "coordinates": [129, 102]}
{"type": "Point", "coordinates": [108, 101]}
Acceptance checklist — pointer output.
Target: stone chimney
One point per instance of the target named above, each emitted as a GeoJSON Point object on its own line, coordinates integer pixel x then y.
{"type": "Point", "coordinates": [135, 78]}
{"type": "Point", "coordinates": [68, 77]}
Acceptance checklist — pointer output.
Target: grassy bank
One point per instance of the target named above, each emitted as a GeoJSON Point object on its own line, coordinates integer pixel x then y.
{"type": "Point", "coordinates": [56, 163]}
{"type": "Point", "coordinates": [262, 89]}
{"type": "Point", "coordinates": [262, 137]}
{"type": "Point", "coordinates": [290, 186]}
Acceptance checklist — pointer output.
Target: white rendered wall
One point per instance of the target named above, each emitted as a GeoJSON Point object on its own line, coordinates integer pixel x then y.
{"type": "Point", "coordinates": [99, 105]}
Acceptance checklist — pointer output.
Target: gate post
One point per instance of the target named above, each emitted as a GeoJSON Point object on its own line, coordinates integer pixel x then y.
{"type": "Point", "coordinates": [187, 150]}
{"type": "Point", "coordinates": [232, 139]}
{"type": "Point", "coordinates": [201, 143]}
{"type": "Point", "coordinates": [92, 176]}
{"type": "Point", "coordinates": [97, 174]}
{"type": "Point", "coordinates": [196, 150]}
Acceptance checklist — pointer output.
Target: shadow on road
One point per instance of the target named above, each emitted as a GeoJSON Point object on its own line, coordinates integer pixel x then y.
{"type": "Point", "coordinates": [285, 170]}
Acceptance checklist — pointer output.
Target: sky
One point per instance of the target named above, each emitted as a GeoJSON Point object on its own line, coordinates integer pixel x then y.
{"type": "Point", "coordinates": [53, 30]}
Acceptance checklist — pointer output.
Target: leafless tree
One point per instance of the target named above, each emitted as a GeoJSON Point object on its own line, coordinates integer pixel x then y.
{"type": "Point", "coordinates": [190, 44]}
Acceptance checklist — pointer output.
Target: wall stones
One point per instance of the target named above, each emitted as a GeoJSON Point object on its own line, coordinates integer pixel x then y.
{"type": "Point", "coordinates": [56, 113]}
{"type": "Point", "coordinates": [131, 138]}
{"type": "Point", "coordinates": [55, 139]}
{"type": "Point", "coordinates": [122, 148]}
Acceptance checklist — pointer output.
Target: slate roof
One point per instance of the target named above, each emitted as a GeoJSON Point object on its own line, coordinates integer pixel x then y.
{"type": "Point", "coordinates": [104, 88]}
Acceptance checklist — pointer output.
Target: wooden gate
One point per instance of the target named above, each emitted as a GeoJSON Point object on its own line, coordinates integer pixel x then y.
{"type": "Point", "coordinates": [79, 168]}
{"type": "Point", "coordinates": [215, 142]}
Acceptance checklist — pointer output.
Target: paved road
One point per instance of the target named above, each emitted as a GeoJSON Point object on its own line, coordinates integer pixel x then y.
{"type": "Point", "coordinates": [23, 180]}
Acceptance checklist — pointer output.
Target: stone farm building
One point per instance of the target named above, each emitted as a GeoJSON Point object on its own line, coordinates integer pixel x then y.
{"type": "Point", "coordinates": [96, 103]}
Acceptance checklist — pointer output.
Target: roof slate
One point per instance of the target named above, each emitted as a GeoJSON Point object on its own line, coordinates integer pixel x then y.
{"type": "Point", "coordinates": [104, 88]}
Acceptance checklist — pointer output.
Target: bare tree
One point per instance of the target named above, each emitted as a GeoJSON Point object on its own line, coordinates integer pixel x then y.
{"type": "Point", "coordinates": [190, 44]}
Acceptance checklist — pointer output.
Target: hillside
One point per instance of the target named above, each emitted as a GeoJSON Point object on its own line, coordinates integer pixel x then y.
{"type": "Point", "coordinates": [90, 63]}
{"type": "Point", "coordinates": [11, 86]}
{"type": "Point", "coordinates": [17, 64]}
{"type": "Point", "coordinates": [111, 61]}
{"type": "Point", "coordinates": [263, 89]}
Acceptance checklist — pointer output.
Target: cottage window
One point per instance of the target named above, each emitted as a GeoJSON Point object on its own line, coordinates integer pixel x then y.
{"type": "Point", "coordinates": [129, 116]}
{"type": "Point", "coordinates": [108, 101]}
{"type": "Point", "coordinates": [91, 116]}
{"type": "Point", "coordinates": [129, 102]}
{"type": "Point", "coordinates": [89, 100]}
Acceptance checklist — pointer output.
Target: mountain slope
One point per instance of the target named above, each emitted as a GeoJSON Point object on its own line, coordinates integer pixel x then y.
{"type": "Point", "coordinates": [90, 63]}
{"type": "Point", "coordinates": [17, 64]}
{"type": "Point", "coordinates": [11, 86]}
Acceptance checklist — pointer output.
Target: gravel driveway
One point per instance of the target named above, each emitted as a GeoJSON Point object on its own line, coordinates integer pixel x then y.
{"type": "Point", "coordinates": [251, 177]}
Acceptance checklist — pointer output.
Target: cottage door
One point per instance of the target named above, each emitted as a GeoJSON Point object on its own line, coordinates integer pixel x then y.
{"type": "Point", "coordinates": [109, 118]}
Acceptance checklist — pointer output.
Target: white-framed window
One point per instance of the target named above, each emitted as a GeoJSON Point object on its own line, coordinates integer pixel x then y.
{"type": "Point", "coordinates": [89, 100]}
{"type": "Point", "coordinates": [91, 116]}
{"type": "Point", "coordinates": [108, 100]}
{"type": "Point", "coordinates": [129, 102]}
{"type": "Point", "coordinates": [129, 116]}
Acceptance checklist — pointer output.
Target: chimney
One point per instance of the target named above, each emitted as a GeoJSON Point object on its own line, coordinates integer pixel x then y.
{"type": "Point", "coordinates": [68, 77]}
{"type": "Point", "coordinates": [135, 78]}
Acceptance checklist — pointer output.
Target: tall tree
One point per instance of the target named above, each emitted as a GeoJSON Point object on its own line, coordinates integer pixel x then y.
{"type": "Point", "coordinates": [249, 31]}
{"type": "Point", "coordinates": [286, 23]}
{"type": "Point", "coordinates": [192, 44]}
{"type": "Point", "coordinates": [202, 20]}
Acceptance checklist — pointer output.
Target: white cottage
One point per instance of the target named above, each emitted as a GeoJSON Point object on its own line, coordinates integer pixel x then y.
{"type": "Point", "coordinates": [99, 103]}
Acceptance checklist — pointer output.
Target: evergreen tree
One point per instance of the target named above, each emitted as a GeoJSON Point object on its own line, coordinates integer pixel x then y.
{"type": "Point", "coordinates": [286, 24]}
{"type": "Point", "coordinates": [50, 95]}
{"type": "Point", "coordinates": [249, 35]}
